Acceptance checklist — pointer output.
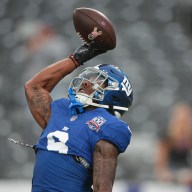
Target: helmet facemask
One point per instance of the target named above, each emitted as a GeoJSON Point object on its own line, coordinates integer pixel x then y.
{"type": "Point", "coordinates": [97, 81]}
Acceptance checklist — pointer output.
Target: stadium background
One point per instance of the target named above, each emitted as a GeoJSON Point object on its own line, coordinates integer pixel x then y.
{"type": "Point", "coordinates": [153, 46]}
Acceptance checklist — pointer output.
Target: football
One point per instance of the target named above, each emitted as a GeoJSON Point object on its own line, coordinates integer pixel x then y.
{"type": "Point", "coordinates": [92, 25]}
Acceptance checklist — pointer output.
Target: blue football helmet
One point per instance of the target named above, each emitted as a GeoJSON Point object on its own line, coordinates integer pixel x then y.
{"type": "Point", "coordinates": [111, 89]}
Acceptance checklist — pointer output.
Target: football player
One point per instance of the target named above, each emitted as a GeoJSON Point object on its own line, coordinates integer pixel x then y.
{"type": "Point", "coordinates": [83, 134]}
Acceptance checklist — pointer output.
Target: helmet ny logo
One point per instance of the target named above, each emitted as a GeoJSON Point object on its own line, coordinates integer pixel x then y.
{"type": "Point", "coordinates": [126, 86]}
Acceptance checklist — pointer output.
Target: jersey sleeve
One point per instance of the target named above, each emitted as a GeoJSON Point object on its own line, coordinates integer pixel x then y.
{"type": "Point", "coordinates": [56, 104]}
{"type": "Point", "coordinates": [118, 133]}
{"type": "Point", "coordinates": [59, 102]}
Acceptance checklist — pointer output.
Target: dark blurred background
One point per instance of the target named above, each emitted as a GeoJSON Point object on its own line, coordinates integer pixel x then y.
{"type": "Point", "coordinates": [154, 47]}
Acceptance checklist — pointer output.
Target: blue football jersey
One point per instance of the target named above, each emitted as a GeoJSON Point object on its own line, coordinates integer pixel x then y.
{"type": "Point", "coordinates": [74, 135]}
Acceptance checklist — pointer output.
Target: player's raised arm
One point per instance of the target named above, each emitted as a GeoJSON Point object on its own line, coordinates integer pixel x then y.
{"type": "Point", "coordinates": [38, 89]}
{"type": "Point", "coordinates": [104, 166]}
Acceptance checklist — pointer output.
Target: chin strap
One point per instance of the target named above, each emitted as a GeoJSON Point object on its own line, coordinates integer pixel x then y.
{"type": "Point", "coordinates": [79, 101]}
{"type": "Point", "coordinates": [86, 100]}
{"type": "Point", "coordinates": [89, 102]}
{"type": "Point", "coordinates": [116, 113]}
{"type": "Point", "coordinates": [75, 106]}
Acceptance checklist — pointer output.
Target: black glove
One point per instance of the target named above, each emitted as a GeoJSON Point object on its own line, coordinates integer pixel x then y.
{"type": "Point", "coordinates": [85, 53]}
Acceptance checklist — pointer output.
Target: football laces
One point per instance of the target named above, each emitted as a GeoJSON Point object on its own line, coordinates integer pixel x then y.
{"type": "Point", "coordinates": [81, 37]}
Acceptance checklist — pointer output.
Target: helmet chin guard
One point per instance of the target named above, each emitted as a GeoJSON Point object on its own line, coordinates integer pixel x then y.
{"type": "Point", "coordinates": [83, 98]}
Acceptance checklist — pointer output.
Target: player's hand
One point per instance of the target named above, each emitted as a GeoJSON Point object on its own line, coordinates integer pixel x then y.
{"type": "Point", "coordinates": [85, 53]}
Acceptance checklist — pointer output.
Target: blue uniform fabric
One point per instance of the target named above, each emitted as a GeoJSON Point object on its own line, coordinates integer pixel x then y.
{"type": "Point", "coordinates": [66, 135]}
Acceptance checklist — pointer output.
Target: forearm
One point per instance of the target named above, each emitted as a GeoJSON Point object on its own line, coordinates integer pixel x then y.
{"type": "Point", "coordinates": [37, 90]}
{"type": "Point", "coordinates": [104, 174]}
{"type": "Point", "coordinates": [51, 75]}
{"type": "Point", "coordinates": [104, 167]}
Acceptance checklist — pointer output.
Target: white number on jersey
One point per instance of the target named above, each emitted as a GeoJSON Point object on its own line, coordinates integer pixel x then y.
{"type": "Point", "coordinates": [60, 144]}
